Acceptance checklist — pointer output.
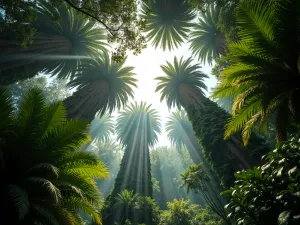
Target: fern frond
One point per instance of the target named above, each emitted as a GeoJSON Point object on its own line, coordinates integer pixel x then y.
{"type": "Point", "coordinates": [20, 200]}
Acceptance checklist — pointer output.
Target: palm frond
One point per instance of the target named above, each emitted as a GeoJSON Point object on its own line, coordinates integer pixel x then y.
{"type": "Point", "coordinates": [206, 41]}
{"type": "Point", "coordinates": [177, 127]}
{"type": "Point", "coordinates": [102, 86]}
{"type": "Point", "coordinates": [140, 120]}
{"type": "Point", "coordinates": [20, 200]}
{"type": "Point", "coordinates": [48, 186]}
{"type": "Point", "coordinates": [64, 41]}
{"type": "Point", "coordinates": [182, 72]}
{"type": "Point", "coordinates": [261, 67]}
{"type": "Point", "coordinates": [168, 24]}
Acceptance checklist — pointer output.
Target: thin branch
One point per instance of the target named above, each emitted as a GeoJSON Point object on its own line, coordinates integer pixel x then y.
{"type": "Point", "coordinates": [92, 16]}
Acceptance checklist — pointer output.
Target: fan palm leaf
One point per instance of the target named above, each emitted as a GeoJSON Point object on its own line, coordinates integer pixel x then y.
{"type": "Point", "coordinates": [206, 41]}
{"type": "Point", "coordinates": [183, 83]}
{"type": "Point", "coordinates": [102, 86]}
{"type": "Point", "coordinates": [168, 22]}
{"type": "Point", "coordinates": [177, 127]}
{"type": "Point", "coordinates": [62, 43]}
{"type": "Point", "coordinates": [264, 75]}
{"type": "Point", "coordinates": [52, 180]}
{"type": "Point", "coordinates": [138, 121]}
{"type": "Point", "coordinates": [102, 128]}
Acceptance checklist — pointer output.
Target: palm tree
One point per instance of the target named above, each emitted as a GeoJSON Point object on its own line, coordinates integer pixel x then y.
{"type": "Point", "coordinates": [63, 41]}
{"type": "Point", "coordinates": [183, 85]}
{"type": "Point", "coordinates": [128, 200]}
{"type": "Point", "coordinates": [45, 179]}
{"type": "Point", "coordinates": [102, 86]}
{"type": "Point", "coordinates": [137, 129]}
{"type": "Point", "coordinates": [168, 22]}
{"type": "Point", "coordinates": [102, 128]}
{"type": "Point", "coordinates": [206, 41]}
{"type": "Point", "coordinates": [180, 133]}
{"type": "Point", "coordinates": [264, 76]}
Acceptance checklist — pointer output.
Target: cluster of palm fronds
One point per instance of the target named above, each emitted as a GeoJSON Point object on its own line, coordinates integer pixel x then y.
{"type": "Point", "coordinates": [45, 178]}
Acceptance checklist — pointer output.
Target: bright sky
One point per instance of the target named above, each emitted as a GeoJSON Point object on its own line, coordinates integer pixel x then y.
{"type": "Point", "coordinates": [147, 67]}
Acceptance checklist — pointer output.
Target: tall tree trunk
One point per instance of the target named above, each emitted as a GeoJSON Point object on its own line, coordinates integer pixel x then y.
{"type": "Point", "coordinates": [225, 156]}
{"type": "Point", "coordinates": [134, 174]}
{"type": "Point", "coordinates": [196, 154]}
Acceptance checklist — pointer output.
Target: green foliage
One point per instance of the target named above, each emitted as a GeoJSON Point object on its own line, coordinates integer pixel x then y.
{"type": "Point", "coordinates": [221, 63]}
{"type": "Point", "coordinates": [269, 194]}
{"type": "Point", "coordinates": [110, 153]}
{"type": "Point", "coordinates": [132, 208]}
{"type": "Point", "coordinates": [155, 185]}
{"type": "Point", "coordinates": [118, 17]}
{"type": "Point", "coordinates": [166, 165]}
{"type": "Point", "coordinates": [225, 157]}
{"type": "Point", "coordinates": [102, 85]}
{"type": "Point", "coordinates": [15, 17]}
{"type": "Point", "coordinates": [182, 83]}
{"type": "Point", "coordinates": [45, 179]}
{"type": "Point", "coordinates": [168, 22]}
{"type": "Point", "coordinates": [138, 121]}
{"type": "Point", "coordinates": [54, 91]}
{"type": "Point", "coordinates": [207, 42]}
{"type": "Point", "coordinates": [63, 41]}
{"type": "Point", "coordinates": [177, 213]}
{"type": "Point", "coordinates": [181, 213]}
{"type": "Point", "coordinates": [195, 178]}
{"type": "Point", "coordinates": [137, 128]}
{"type": "Point", "coordinates": [263, 76]}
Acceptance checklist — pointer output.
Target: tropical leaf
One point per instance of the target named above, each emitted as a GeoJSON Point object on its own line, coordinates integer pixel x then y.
{"type": "Point", "coordinates": [168, 24]}
{"type": "Point", "coordinates": [102, 86]}
{"type": "Point", "coordinates": [20, 200]}
{"type": "Point", "coordinates": [206, 41]}
{"type": "Point", "coordinates": [51, 170]}
{"type": "Point", "coordinates": [64, 40]}
{"type": "Point", "coordinates": [138, 121]}
{"type": "Point", "coordinates": [260, 75]}
{"type": "Point", "coordinates": [182, 84]}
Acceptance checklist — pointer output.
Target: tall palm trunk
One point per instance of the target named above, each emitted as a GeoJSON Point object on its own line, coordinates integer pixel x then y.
{"type": "Point", "coordinates": [224, 156]}
{"type": "Point", "coordinates": [134, 174]}
{"type": "Point", "coordinates": [197, 156]}
{"type": "Point", "coordinates": [18, 63]}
